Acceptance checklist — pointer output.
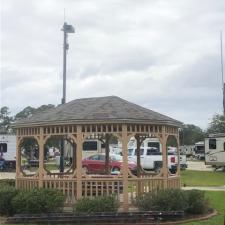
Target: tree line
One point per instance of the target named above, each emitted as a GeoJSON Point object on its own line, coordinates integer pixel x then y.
{"type": "Point", "coordinates": [189, 133]}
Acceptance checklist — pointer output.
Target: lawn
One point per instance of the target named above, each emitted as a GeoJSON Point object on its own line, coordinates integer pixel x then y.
{"type": "Point", "coordinates": [217, 201]}
{"type": "Point", "coordinates": [202, 178]}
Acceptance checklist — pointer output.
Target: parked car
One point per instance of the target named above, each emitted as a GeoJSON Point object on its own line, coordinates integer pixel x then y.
{"type": "Point", "coordinates": [151, 159]}
{"type": "Point", "coordinates": [95, 164]}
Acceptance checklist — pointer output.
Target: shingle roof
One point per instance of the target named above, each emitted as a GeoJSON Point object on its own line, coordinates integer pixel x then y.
{"type": "Point", "coordinates": [100, 109]}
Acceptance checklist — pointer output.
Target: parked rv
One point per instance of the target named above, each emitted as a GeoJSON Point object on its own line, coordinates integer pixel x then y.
{"type": "Point", "coordinates": [187, 150]}
{"type": "Point", "coordinates": [200, 150]}
{"type": "Point", "coordinates": [215, 150]}
{"type": "Point", "coordinates": [7, 152]}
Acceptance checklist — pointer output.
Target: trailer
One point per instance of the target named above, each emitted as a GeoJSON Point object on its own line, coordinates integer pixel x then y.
{"type": "Point", "coordinates": [7, 152]}
{"type": "Point", "coordinates": [199, 150]}
{"type": "Point", "coordinates": [215, 150]}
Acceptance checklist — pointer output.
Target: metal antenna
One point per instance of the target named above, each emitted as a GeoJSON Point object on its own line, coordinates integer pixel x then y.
{"type": "Point", "coordinates": [66, 30]}
{"type": "Point", "coordinates": [221, 61]}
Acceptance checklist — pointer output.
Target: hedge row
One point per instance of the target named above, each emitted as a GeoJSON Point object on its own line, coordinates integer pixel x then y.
{"type": "Point", "coordinates": [97, 204]}
{"type": "Point", "coordinates": [191, 201]}
{"type": "Point", "coordinates": [33, 201]}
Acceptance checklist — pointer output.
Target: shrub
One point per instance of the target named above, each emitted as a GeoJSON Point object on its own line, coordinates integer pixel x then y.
{"type": "Point", "coordinates": [196, 201]}
{"type": "Point", "coordinates": [38, 201]}
{"type": "Point", "coordinates": [9, 182]}
{"type": "Point", "coordinates": [7, 193]}
{"type": "Point", "coordinates": [163, 200]}
{"type": "Point", "coordinates": [97, 204]}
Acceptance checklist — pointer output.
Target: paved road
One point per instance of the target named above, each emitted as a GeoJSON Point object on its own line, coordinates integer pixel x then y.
{"type": "Point", "coordinates": [5, 175]}
{"type": "Point", "coordinates": [220, 188]}
{"type": "Point", "coordinates": [199, 165]}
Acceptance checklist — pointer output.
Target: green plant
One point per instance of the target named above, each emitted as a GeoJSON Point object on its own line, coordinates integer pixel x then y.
{"type": "Point", "coordinates": [97, 204]}
{"type": "Point", "coordinates": [164, 200]}
{"type": "Point", "coordinates": [9, 182]}
{"type": "Point", "coordinates": [7, 193]}
{"type": "Point", "coordinates": [38, 201]}
{"type": "Point", "coordinates": [196, 201]}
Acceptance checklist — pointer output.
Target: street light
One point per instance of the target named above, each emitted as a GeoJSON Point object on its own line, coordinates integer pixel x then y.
{"type": "Point", "coordinates": [67, 29]}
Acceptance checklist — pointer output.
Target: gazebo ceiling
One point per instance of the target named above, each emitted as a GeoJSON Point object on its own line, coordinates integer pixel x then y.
{"type": "Point", "coordinates": [108, 109]}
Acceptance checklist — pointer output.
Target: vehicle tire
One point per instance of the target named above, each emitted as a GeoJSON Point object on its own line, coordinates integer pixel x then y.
{"type": "Point", "coordinates": [85, 169]}
{"type": "Point", "coordinates": [157, 170]}
{"type": "Point", "coordinates": [115, 170]}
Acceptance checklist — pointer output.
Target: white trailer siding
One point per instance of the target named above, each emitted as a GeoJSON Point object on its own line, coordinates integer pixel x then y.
{"type": "Point", "coordinates": [10, 140]}
{"type": "Point", "coordinates": [215, 150]}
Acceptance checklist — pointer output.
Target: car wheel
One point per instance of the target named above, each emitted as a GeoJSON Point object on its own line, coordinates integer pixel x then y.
{"type": "Point", "coordinates": [85, 169]}
{"type": "Point", "coordinates": [115, 170]}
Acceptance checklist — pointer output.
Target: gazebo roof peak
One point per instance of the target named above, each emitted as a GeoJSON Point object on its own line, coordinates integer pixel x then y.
{"type": "Point", "coordinates": [107, 109]}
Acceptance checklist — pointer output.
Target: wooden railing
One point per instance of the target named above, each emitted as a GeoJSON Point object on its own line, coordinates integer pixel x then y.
{"type": "Point", "coordinates": [100, 186]}
{"type": "Point", "coordinates": [26, 183]}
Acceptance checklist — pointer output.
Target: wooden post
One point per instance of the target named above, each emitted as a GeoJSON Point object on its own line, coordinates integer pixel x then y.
{"type": "Point", "coordinates": [125, 167]}
{"type": "Point", "coordinates": [138, 155]}
{"type": "Point", "coordinates": [79, 161]}
{"type": "Point", "coordinates": [107, 168]}
{"type": "Point", "coordinates": [41, 158]}
{"type": "Point", "coordinates": [164, 158]}
{"type": "Point", "coordinates": [18, 159]}
{"type": "Point", "coordinates": [178, 154]}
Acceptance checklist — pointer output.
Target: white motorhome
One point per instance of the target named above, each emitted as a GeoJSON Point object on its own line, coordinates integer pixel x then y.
{"type": "Point", "coordinates": [187, 150]}
{"type": "Point", "coordinates": [91, 147]}
{"type": "Point", "coordinates": [8, 151]}
{"type": "Point", "coordinates": [200, 150]}
{"type": "Point", "coordinates": [215, 150]}
{"type": "Point", "coordinates": [147, 143]}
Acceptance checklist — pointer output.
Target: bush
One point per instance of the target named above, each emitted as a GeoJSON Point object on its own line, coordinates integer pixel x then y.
{"type": "Point", "coordinates": [196, 201]}
{"type": "Point", "coordinates": [38, 201]}
{"type": "Point", "coordinates": [7, 193]}
{"type": "Point", "coordinates": [9, 182]}
{"type": "Point", "coordinates": [97, 204]}
{"type": "Point", "coordinates": [193, 201]}
{"type": "Point", "coordinates": [163, 200]}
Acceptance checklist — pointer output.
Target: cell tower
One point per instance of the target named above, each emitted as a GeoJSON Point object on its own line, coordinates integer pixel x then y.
{"type": "Point", "coordinates": [221, 58]}
{"type": "Point", "coordinates": [66, 30]}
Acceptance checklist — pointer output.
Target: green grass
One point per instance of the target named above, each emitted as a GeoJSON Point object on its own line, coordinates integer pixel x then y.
{"type": "Point", "coordinates": [202, 178]}
{"type": "Point", "coordinates": [217, 201]}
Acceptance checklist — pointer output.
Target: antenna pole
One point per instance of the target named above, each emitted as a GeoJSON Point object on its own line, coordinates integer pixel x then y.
{"type": "Point", "coordinates": [66, 29]}
{"type": "Point", "coordinates": [221, 60]}
{"type": "Point", "coordinates": [65, 47]}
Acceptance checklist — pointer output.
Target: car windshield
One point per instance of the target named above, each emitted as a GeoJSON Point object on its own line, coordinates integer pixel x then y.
{"type": "Point", "coordinates": [116, 157]}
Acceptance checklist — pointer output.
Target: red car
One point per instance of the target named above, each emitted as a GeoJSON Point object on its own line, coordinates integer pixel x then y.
{"type": "Point", "coordinates": [95, 164]}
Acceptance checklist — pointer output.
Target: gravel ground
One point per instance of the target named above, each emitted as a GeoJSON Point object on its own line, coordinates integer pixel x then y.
{"type": "Point", "coordinates": [199, 165]}
{"type": "Point", "coordinates": [6, 175]}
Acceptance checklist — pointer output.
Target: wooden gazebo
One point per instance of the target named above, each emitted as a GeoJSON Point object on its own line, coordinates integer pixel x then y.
{"type": "Point", "coordinates": [99, 118]}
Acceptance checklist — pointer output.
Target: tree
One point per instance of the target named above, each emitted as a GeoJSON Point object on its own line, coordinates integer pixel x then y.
{"type": "Point", "coordinates": [191, 134]}
{"type": "Point", "coordinates": [5, 120]}
{"type": "Point", "coordinates": [217, 125]}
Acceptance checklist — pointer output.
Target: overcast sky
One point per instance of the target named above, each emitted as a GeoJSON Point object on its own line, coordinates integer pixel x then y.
{"type": "Point", "coordinates": [163, 55]}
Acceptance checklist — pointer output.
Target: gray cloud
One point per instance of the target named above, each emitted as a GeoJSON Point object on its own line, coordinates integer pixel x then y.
{"type": "Point", "coordinates": [163, 55]}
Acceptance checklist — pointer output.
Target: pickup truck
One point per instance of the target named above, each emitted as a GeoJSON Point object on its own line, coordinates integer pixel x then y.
{"type": "Point", "coordinates": [151, 159]}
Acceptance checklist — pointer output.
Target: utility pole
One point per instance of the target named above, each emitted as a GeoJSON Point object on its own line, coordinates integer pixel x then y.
{"type": "Point", "coordinates": [221, 61]}
{"type": "Point", "coordinates": [66, 29]}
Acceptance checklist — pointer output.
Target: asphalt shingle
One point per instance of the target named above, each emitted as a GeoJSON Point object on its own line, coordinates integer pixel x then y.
{"type": "Point", "coordinates": [110, 109]}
